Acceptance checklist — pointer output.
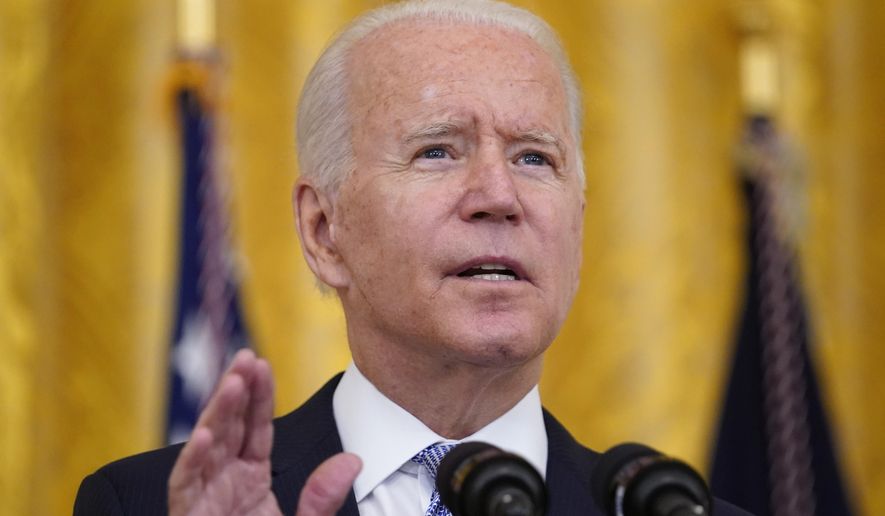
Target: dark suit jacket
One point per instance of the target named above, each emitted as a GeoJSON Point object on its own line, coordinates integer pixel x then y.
{"type": "Point", "coordinates": [302, 440]}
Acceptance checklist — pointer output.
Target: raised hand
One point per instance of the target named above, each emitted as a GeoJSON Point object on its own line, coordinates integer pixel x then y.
{"type": "Point", "coordinates": [225, 467]}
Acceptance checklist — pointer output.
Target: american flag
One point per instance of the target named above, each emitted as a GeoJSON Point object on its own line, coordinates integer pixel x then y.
{"type": "Point", "coordinates": [774, 454]}
{"type": "Point", "coordinates": [208, 323]}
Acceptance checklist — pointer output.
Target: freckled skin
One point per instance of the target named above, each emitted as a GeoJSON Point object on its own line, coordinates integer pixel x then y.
{"type": "Point", "coordinates": [406, 220]}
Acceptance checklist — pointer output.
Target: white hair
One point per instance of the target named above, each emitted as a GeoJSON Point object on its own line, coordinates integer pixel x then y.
{"type": "Point", "coordinates": [325, 149]}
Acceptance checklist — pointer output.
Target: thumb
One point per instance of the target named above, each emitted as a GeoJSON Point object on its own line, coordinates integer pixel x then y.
{"type": "Point", "coordinates": [329, 485]}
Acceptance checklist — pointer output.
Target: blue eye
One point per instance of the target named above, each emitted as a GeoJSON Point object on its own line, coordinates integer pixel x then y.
{"type": "Point", "coordinates": [534, 159]}
{"type": "Point", "coordinates": [435, 153]}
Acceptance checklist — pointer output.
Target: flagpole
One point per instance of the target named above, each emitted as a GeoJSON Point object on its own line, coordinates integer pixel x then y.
{"type": "Point", "coordinates": [209, 326]}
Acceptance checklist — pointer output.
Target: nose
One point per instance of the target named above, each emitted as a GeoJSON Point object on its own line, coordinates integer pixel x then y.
{"type": "Point", "coordinates": [491, 193]}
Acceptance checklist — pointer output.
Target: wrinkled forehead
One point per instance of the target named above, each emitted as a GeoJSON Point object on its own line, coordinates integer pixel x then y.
{"type": "Point", "coordinates": [405, 63]}
{"type": "Point", "coordinates": [397, 42]}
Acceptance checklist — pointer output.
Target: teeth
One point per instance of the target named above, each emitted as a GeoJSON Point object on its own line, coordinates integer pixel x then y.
{"type": "Point", "coordinates": [490, 272]}
{"type": "Point", "coordinates": [495, 277]}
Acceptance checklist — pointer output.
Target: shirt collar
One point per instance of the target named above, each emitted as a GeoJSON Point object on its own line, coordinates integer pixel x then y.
{"type": "Point", "coordinates": [385, 436]}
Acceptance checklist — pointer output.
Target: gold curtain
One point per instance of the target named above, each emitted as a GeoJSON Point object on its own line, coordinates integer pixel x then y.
{"type": "Point", "coordinates": [838, 48]}
{"type": "Point", "coordinates": [88, 213]}
{"type": "Point", "coordinates": [87, 195]}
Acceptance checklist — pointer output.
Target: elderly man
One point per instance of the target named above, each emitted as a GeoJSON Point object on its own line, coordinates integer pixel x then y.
{"type": "Point", "coordinates": [441, 198]}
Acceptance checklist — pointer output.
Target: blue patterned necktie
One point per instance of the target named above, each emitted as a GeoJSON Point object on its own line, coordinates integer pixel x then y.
{"type": "Point", "coordinates": [430, 458]}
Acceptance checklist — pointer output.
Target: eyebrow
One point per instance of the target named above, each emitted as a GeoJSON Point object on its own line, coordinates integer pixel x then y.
{"type": "Point", "coordinates": [539, 136]}
{"type": "Point", "coordinates": [544, 138]}
{"type": "Point", "coordinates": [448, 128]}
{"type": "Point", "coordinates": [432, 130]}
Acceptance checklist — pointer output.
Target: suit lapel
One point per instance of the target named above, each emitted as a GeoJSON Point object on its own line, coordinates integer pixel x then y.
{"type": "Point", "coordinates": [303, 439]}
{"type": "Point", "coordinates": [569, 465]}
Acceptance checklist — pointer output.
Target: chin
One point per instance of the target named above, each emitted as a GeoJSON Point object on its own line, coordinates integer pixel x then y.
{"type": "Point", "coordinates": [499, 345]}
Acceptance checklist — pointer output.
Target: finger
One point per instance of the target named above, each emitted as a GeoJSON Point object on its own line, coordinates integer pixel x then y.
{"type": "Point", "coordinates": [223, 419]}
{"type": "Point", "coordinates": [226, 406]}
{"type": "Point", "coordinates": [259, 417]}
{"type": "Point", "coordinates": [185, 481]}
{"type": "Point", "coordinates": [242, 361]}
{"type": "Point", "coordinates": [226, 395]}
{"type": "Point", "coordinates": [329, 485]}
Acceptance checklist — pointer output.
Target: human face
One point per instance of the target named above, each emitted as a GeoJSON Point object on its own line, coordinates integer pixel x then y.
{"type": "Point", "coordinates": [464, 162]}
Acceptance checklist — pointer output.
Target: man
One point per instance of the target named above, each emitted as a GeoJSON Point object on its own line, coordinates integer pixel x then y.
{"type": "Point", "coordinates": [441, 198]}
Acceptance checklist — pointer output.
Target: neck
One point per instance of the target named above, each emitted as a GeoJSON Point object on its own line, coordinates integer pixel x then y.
{"type": "Point", "coordinates": [453, 398]}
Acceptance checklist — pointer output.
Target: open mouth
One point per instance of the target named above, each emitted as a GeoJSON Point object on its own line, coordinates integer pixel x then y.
{"type": "Point", "coordinates": [490, 272]}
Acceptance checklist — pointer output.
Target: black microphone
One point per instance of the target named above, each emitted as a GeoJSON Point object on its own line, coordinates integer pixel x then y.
{"type": "Point", "coordinates": [635, 480]}
{"type": "Point", "coordinates": [478, 479]}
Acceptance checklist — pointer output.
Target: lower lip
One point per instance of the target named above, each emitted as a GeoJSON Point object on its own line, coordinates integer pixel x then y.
{"type": "Point", "coordinates": [480, 280]}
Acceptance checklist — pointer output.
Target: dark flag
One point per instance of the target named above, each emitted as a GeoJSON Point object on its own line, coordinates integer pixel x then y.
{"type": "Point", "coordinates": [208, 323]}
{"type": "Point", "coordinates": [774, 454]}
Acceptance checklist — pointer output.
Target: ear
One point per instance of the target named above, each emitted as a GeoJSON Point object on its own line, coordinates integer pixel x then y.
{"type": "Point", "coordinates": [313, 219]}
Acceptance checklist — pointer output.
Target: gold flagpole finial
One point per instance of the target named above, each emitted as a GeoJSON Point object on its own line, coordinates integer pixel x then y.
{"type": "Point", "coordinates": [760, 87]}
{"type": "Point", "coordinates": [196, 27]}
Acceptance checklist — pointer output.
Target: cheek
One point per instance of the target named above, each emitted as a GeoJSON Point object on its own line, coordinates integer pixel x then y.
{"type": "Point", "coordinates": [577, 233]}
{"type": "Point", "coordinates": [360, 234]}
{"type": "Point", "coordinates": [386, 239]}
{"type": "Point", "coordinates": [576, 243]}
{"type": "Point", "coordinates": [564, 237]}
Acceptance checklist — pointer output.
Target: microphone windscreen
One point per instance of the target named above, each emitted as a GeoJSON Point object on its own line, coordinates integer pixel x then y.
{"type": "Point", "coordinates": [635, 480]}
{"type": "Point", "coordinates": [478, 479]}
{"type": "Point", "coordinates": [610, 463]}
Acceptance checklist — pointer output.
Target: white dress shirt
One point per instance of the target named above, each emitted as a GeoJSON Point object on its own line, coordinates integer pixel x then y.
{"type": "Point", "coordinates": [385, 436]}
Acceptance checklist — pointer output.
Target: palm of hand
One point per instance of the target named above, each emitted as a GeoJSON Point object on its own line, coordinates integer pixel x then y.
{"type": "Point", "coordinates": [237, 487]}
{"type": "Point", "coordinates": [225, 467]}
{"type": "Point", "coordinates": [224, 470]}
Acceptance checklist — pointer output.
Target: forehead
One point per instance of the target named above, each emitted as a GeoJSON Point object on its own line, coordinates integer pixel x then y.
{"type": "Point", "coordinates": [412, 65]}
